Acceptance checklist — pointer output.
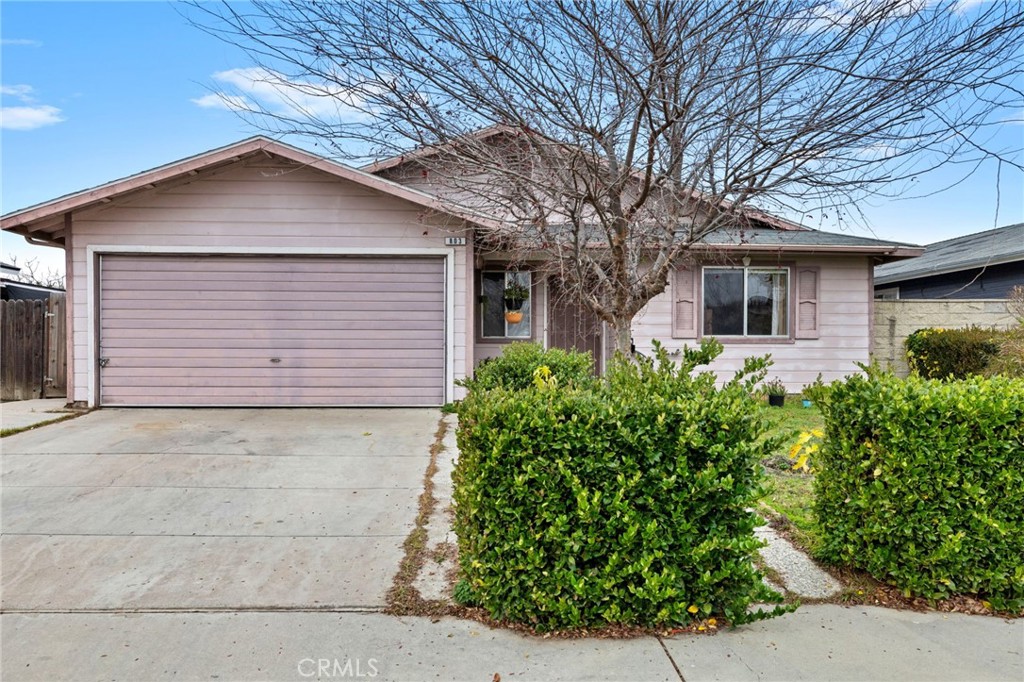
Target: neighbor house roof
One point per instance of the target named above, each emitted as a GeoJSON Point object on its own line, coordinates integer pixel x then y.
{"type": "Point", "coordinates": [45, 221]}
{"type": "Point", "coordinates": [992, 247]}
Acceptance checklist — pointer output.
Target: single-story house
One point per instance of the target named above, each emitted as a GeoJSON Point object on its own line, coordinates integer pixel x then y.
{"type": "Point", "coordinates": [262, 274]}
{"type": "Point", "coordinates": [981, 265]}
{"type": "Point", "coordinates": [13, 289]}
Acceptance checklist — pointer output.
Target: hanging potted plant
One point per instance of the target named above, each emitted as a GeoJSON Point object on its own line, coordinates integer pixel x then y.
{"type": "Point", "coordinates": [515, 294]}
{"type": "Point", "coordinates": [776, 391]}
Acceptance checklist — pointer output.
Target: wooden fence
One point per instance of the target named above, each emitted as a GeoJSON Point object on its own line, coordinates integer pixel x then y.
{"type": "Point", "coordinates": [33, 349]}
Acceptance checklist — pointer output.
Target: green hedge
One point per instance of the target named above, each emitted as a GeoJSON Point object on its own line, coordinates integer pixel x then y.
{"type": "Point", "coordinates": [921, 483]}
{"type": "Point", "coordinates": [626, 500]}
{"type": "Point", "coordinates": [958, 353]}
{"type": "Point", "coordinates": [515, 367]}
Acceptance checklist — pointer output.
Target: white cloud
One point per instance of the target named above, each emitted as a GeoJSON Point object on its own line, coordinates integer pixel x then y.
{"type": "Point", "coordinates": [279, 95]}
{"type": "Point", "coordinates": [29, 117]}
{"type": "Point", "coordinates": [967, 5]}
{"type": "Point", "coordinates": [218, 100]}
{"type": "Point", "coordinates": [22, 92]}
{"type": "Point", "coordinates": [878, 151]}
{"type": "Point", "coordinates": [20, 42]}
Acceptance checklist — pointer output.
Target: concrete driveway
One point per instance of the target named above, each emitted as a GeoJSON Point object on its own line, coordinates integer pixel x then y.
{"type": "Point", "coordinates": [157, 510]}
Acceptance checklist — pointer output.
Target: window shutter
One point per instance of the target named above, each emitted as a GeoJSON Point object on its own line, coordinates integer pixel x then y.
{"type": "Point", "coordinates": [684, 309]}
{"type": "Point", "coordinates": [808, 287]}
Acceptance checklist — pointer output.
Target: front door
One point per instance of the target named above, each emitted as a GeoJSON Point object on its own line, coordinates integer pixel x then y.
{"type": "Point", "coordinates": [572, 325]}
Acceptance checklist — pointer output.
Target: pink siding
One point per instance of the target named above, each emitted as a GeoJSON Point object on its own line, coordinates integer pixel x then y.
{"type": "Point", "coordinates": [845, 318]}
{"type": "Point", "coordinates": [270, 204]}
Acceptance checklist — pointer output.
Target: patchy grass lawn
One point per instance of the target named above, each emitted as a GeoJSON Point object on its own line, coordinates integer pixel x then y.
{"type": "Point", "coordinates": [790, 500]}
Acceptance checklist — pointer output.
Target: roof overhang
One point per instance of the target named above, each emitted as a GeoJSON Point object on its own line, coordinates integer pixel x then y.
{"type": "Point", "coordinates": [959, 267]}
{"type": "Point", "coordinates": [47, 222]}
{"type": "Point", "coordinates": [889, 252]}
{"type": "Point", "coordinates": [5, 282]}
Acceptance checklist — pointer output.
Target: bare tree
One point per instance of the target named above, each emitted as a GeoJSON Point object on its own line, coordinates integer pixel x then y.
{"type": "Point", "coordinates": [613, 137]}
{"type": "Point", "coordinates": [31, 273]}
{"type": "Point", "coordinates": [1015, 304]}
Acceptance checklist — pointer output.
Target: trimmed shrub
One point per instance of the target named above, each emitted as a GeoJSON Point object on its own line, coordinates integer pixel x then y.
{"type": "Point", "coordinates": [921, 483]}
{"type": "Point", "coordinates": [621, 501]}
{"type": "Point", "coordinates": [515, 367]}
{"type": "Point", "coordinates": [952, 353]}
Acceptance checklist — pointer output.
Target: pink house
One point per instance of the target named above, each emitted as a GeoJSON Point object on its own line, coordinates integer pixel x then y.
{"type": "Point", "coordinates": [261, 274]}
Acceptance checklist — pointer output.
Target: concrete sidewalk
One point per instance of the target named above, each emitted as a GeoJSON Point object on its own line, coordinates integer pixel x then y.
{"type": "Point", "coordinates": [824, 642]}
{"type": "Point", "coordinates": [20, 414]}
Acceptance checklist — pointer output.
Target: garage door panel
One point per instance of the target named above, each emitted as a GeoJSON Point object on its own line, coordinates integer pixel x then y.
{"type": "Point", "coordinates": [289, 330]}
{"type": "Point", "coordinates": [256, 379]}
{"type": "Point", "coordinates": [259, 265]}
{"type": "Point", "coordinates": [130, 354]}
{"type": "Point", "coordinates": [233, 362]}
{"type": "Point", "coordinates": [249, 398]}
{"type": "Point", "coordinates": [262, 333]}
{"type": "Point", "coordinates": [185, 317]}
{"type": "Point", "coordinates": [404, 300]}
{"type": "Point", "coordinates": [276, 304]}
{"type": "Point", "coordinates": [229, 344]}
{"type": "Point", "coordinates": [144, 277]}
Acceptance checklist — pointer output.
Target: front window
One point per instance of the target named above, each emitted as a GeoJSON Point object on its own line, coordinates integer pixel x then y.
{"type": "Point", "coordinates": [746, 301]}
{"type": "Point", "coordinates": [501, 317]}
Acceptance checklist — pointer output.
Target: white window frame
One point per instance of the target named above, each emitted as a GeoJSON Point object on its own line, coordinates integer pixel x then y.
{"type": "Point", "coordinates": [529, 285]}
{"type": "Point", "coordinates": [745, 269]}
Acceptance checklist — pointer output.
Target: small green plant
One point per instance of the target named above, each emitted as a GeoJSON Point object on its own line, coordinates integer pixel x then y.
{"type": "Point", "coordinates": [515, 291]}
{"type": "Point", "coordinates": [515, 368]}
{"type": "Point", "coordinates": [775, 387]}
{"type": "Point", "coordinates": [463, 594]}
{"type": "Point", "coordinates": [816, 391]}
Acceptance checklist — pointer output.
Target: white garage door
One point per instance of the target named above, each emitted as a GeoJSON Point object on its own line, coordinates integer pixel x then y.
{"type": "Point", "coordinates": [274, 331]}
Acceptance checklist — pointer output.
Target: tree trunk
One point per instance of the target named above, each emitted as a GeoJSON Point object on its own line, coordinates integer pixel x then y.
{"type": "Point", "coordinates": [623, 333]}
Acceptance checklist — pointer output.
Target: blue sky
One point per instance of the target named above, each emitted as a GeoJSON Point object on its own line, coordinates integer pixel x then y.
{"type": "Point", "coordinates": [95, 91]}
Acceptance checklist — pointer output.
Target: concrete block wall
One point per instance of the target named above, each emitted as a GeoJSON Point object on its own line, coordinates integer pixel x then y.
{"type": "Point", "coordinates": [896, 320]}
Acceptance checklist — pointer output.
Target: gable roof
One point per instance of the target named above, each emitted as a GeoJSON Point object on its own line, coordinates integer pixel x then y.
{"type": "Point", "coordinates": [45, 221]}
{"type": "Point", "coordinates": [992, 247]}
{"type": "Point", "coordinates": [482, 134]}
{"type": "Point", "coordinates": [428, 150]}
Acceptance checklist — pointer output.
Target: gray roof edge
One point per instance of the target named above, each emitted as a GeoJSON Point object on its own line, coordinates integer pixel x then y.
{"type": "Point", "coordinates": [922, 273]}
{"type": "Point", "coordinates": [991, 247]}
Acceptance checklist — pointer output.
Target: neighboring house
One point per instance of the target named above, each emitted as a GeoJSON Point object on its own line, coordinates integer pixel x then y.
{"type": "Point", "coordinates": [11, 289]}
{"type": "Point", "coordinates": [261, 274]}
{"type": "Point", "coordinates": [982, 265]}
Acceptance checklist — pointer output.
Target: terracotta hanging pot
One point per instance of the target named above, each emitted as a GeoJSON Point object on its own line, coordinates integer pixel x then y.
{"type": "Point", "coordinates": [514, 316]}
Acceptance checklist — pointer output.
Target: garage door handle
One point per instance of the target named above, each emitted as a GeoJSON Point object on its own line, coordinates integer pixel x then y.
{"type": "Point", "coordinates": [275, 359]}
